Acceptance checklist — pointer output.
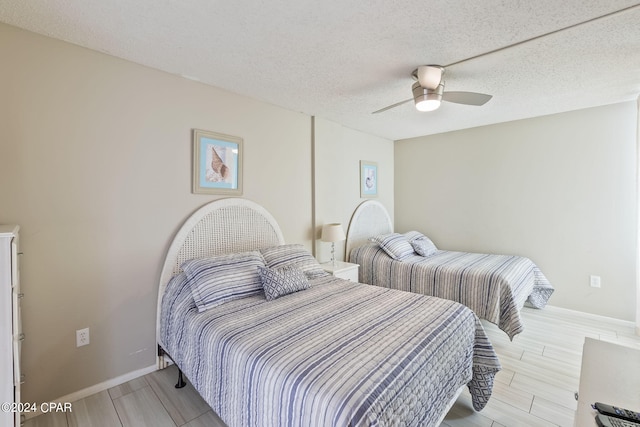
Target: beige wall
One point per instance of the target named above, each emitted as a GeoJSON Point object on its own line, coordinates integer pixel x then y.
{"type": "Point", "coordinates": [337, 153]}
{"type": "Point", "coordinates": [95, 165]}
{"type": "Point", "coordinates": [558, 189]}
{"type": "Point", "coordinates": [96, 168]}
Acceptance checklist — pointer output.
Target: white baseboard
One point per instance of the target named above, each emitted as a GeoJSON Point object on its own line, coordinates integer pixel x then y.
{"type": "Point", "coordinates": [97, 388]}
{"type": "Point", "coordinates": [597, 317]}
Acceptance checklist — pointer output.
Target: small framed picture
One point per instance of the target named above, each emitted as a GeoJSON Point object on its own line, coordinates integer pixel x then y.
{"type": "Point", "coordinates": [368, 179]}
{"type": "Point", "coordinates": [217, 163]}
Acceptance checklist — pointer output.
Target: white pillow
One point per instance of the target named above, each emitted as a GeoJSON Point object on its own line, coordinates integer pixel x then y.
{"type": "Point", "coordinates": [421, 243]}
{"type": "Point", "coordinates": [293, 255]}
{"type": "Point", "coordinates": [396, 245]}
{"type": "Point", "coordinates": [223, 278]}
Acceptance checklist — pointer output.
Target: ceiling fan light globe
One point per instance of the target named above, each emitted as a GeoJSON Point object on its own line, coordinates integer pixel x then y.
{"type": "Point", "coordinates": [427, 104]}
{"type": "Point", "coordinates": [429, 76]}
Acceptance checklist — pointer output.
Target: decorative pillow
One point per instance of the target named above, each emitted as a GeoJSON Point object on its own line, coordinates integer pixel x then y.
{"type": "Point", "coordinates": [421, 243]}
{"type": "Point", "coordinates": [293, 255]}
{"type": "Point", "coordinates": [277, 282]}
{"type": "Point", "coordinates": [223, 278]}
{"type": "Point", "coordinates": [414, 235]}
{"type": "Point", "coordinates": [396, 245]}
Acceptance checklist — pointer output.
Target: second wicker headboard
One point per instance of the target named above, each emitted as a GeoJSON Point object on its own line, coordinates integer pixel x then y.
{"type": "Point", "coordinates": [369, 219]}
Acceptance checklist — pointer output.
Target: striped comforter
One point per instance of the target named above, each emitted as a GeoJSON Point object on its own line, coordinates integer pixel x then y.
{"type": "Point", "coordinates": [337, 354]}
{"type": "Point", "coordinates": [495, 287]}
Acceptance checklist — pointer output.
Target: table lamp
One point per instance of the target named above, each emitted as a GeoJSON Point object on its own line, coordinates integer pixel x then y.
{"type": "Point", "coordinates": [332, 233]}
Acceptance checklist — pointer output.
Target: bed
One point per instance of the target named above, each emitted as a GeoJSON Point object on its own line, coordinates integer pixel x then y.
{"type": "Point", "coordinates": [495, 287]}
{"type": "Point", "coordinates": [335, 353]}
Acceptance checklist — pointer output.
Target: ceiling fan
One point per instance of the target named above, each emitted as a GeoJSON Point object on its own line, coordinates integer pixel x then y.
{"type": "Point", "coordinates": [428, 91]}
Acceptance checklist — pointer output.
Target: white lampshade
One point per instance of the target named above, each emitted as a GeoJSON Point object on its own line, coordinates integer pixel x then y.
{"type": "Point", "coordinates": [332, 233]}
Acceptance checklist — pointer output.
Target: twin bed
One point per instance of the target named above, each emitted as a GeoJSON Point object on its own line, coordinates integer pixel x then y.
{"type": "Point", "coordinates": [495, 287]}
{"type": "Point", "coordinates": [299, 347]}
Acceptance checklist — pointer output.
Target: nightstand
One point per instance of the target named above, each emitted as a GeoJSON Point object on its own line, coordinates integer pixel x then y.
{"type": "Point", "coordinates": [343, 270]}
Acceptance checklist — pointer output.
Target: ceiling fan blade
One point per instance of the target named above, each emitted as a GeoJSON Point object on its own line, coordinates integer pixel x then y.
{"type": "Point", "coordinates": [468, 98]}
{"type": "Point", "coordinates": [392, 106]}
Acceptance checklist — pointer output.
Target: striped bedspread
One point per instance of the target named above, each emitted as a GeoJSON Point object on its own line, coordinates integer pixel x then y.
{"type": "Point", "coordinates": [337, 354]}
{"type": "Point", "coordinates": [495, 287]}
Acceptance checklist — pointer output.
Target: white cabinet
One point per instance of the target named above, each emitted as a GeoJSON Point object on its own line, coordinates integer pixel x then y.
{"type": "Point", "coordinates": [608, 374]}
{"type": "Point", "coordinates": [10, 326]}
{"type": "Point", "coordinates": [343, 270]}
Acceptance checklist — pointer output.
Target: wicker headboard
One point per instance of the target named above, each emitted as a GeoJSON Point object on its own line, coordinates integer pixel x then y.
{"type": "Point", "coordinates": [223, 226]}
{"type": "Point", "coordinates": [369, 219]}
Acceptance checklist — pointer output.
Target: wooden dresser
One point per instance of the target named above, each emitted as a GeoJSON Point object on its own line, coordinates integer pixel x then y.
{"type": "Point", "coordinates": [10, 326]}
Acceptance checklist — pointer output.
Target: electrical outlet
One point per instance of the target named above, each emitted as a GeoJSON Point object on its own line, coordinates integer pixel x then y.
{"type": "Point", "coordinates": [594, 281]}
{"type": "Point", "coordinates": [82, 337]}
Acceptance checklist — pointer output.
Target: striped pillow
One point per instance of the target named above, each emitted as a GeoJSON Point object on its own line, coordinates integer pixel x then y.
{"type": "Point", "coordinates": [277, 282]}
{"type": "Point", "coordinates": [223, 278]}
{"type": "Point", "coordinates": [421, 243]}
{"type": "Point", "coordinates": [396, 245]}
{"type": "Point", "coordinates": [293, 255]}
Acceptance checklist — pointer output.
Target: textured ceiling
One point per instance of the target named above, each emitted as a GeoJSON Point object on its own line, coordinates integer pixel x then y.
{"type": "Point", "coordinates": [343, 59]}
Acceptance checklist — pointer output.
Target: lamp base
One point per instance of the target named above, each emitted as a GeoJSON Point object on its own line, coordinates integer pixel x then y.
{"type": "Point", "coordinates": [333, 254]}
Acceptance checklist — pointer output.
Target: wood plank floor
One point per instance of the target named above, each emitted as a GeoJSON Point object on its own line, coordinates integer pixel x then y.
{"type": "Point", "coordinates": [540, 374]}
{"type": "Point", "coordinates": [540, 370]}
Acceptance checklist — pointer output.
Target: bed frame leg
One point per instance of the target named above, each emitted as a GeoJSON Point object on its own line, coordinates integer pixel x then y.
{"type": "Point", "coordinates": [181, 382]}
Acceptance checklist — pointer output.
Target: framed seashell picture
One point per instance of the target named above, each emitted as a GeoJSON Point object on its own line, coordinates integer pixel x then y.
{"type": "Point", "coordinates": [217, 163]}
{"type": "Point", "coordinates": [368, 179]}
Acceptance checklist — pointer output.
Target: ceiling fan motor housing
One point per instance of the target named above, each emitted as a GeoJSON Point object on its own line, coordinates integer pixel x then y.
{"type": "Point", "coordinates": [427, 99]}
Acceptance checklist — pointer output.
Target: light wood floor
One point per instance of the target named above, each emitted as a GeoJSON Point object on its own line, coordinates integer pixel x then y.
{"type": "Point", "coordinates": [540, 374]}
